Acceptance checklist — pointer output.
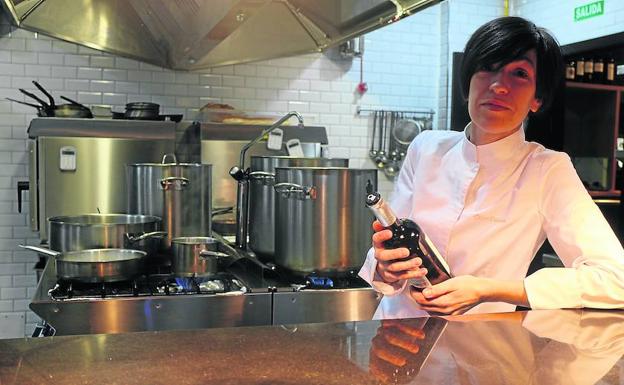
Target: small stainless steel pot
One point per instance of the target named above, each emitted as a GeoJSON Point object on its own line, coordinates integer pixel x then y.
{"type": "Point", "coordinates": [104, 231]}
{"type": "Point", "coordinates": [195, 256]}
{"type": "Point", "coordinates": [96, 265]}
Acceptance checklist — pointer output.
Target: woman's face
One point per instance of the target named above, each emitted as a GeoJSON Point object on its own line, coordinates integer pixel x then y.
{"type": "Point", "coordinates": [499, 100]}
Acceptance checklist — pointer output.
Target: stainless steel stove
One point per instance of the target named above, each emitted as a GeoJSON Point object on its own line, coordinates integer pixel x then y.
{"type": "Point", "coordinates": [246, 293]}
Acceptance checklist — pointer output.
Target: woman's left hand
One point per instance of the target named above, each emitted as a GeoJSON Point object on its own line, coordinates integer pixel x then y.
{"type": "Point", "coordinates": [454, 296]}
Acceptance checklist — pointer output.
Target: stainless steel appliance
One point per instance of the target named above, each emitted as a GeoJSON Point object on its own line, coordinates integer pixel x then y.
{"type": "Point", "coordinates": [77, 166]}
{"type": "Point", "coordinates": [321, 224]}
{"type": "Point", "coordinates": [203, 33]}
{"type": "Point", "coordinates": [262, 196]}
{"type": "Point", "coordinates": [245, 293]}
{"type": "Point", "coordinates": [179, 193]}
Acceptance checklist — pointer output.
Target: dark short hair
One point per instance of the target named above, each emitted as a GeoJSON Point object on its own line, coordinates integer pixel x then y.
{"type": "Point", "coordinates": [505, 39]}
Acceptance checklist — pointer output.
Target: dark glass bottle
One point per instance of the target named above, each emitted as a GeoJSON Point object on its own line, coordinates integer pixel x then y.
{"type": "Point", "coordinates": [580, 69]}
{"type": "Point", "coordinates": [570, 73]}
{"type": "Point", "coordinates": [610, 72]}
{"type": "Point", "coordinates": [589, 70]}
{"type": "Point", "coordinates": [598, 70]}
{"type": "Point", "coordinates": [406, 233]}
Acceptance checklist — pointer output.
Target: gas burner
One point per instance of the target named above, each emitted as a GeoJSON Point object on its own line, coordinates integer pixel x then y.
{"type": "Point", "coordinates": [150, 285]}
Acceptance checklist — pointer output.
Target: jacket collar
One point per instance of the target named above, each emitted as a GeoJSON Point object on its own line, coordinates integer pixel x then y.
{"type": "Point", "coordinates": [493, 153]}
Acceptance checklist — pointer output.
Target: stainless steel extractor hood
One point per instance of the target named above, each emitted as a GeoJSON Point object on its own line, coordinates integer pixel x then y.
{"type": "Point", "coordinates": [193, 34]}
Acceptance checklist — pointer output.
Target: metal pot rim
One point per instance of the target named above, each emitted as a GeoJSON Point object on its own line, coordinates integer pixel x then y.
{"type": "Point", "coordinates": [70, 219]}
{"type": "Point", "coordinates": [194, 240]}
{"type": "Point", "coordinates": [168, 164]}
{"type": "Point", "coordinates": [129, 254]}
{"type": "Point", "coordinates": [326, 168]}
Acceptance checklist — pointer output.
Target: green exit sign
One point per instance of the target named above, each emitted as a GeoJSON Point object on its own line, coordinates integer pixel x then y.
{"type": "Point", "coordinates": [589, 10]}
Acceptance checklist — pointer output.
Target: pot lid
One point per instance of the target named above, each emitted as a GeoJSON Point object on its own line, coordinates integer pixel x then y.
{"type": "Point", "coordinates": [193, 34]}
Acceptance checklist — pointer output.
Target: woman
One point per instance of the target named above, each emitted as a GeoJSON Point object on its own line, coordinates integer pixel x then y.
{"type": "Point", "coordinates": [488, 199]}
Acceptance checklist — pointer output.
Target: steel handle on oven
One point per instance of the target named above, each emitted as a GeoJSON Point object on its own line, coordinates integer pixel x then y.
{"type": "Point", "coordinates": [133, 238]}
{"type": "Point", "coordinates": [287, 189]}
{"type": "Point", "coordinates": [166, 183]}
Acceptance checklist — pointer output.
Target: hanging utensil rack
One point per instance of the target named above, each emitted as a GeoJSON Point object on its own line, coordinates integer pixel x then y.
{"type": "Point", "coordinates": [386, 151]}
{"type": "Point", "coordinates": [426, 112]}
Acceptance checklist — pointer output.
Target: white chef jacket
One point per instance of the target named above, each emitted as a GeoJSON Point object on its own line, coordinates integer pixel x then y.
{"type": "Point", "coordinates": [489, 208]}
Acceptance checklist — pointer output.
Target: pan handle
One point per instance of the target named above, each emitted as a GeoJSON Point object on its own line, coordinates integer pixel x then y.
{"type": "Point", "coordinates": [48, 252]}
{"type": "Point", "coordinates": [132, 238]}
{"type": "Point", "coordinates": [173, 156]}
{"type": "Point", "coordinates": [166, 183]}
{"type": "Point", "coordinates": [33, 96]}
{"type": "Point", "coordinates": [20, 102]}
{"type": "Point", "coordinates": [297, 191]}
{"type": "Point", "coordinates": [46, 93]}
{"type": "Point", "coordinates": [206, 254]}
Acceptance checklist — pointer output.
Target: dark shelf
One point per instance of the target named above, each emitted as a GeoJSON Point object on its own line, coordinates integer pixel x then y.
{"type": "Point", "coordinates": [595, 86]}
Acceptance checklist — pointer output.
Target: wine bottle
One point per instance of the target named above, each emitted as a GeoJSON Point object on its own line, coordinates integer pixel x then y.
{"type": "Point", "coordinates": [406, 233]}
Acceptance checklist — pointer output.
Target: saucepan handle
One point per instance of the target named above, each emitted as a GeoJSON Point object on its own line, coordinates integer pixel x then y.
{"type": "Point", "coordinates": [263, 177]}
{"type": "Point", "coordinates": [132, 238]}
{"type": "Point", "coordinates": [211, 254]}
{"type": "Point", "coordinates": [178, 182]}
{"type": "Point", "coordinates": [164, 158]}
{"type": "Point", "coordinates": [288, 190]}
{"type": "Point", "coordinates": [48, 252]}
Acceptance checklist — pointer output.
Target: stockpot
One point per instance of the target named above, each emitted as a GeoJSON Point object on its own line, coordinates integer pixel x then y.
{"type": "Point", "coordinates": [262, 196]}
{"type": "Point", "coordinates": [321, 223]}
{"type": "Point", "coordinates": [100, 231]}
{"type": "Point", "coordinates": [195, 256]}
{"type": "Point", "coordinates": [180, 193]}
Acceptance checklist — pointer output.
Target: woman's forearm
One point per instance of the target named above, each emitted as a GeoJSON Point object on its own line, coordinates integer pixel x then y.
{"type": "Point", "coordinates": [495, 290]}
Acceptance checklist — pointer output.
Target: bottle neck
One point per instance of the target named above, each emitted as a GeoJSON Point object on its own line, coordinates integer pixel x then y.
{"type": "Point", "coordinates": [384, 213]}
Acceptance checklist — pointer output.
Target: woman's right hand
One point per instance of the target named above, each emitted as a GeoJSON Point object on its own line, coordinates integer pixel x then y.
{"type": "Point", "coordinates": [391, 263]}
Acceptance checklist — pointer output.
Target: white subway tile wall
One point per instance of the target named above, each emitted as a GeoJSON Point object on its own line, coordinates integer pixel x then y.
{"type": "Point", "coordinates": [406, 66]}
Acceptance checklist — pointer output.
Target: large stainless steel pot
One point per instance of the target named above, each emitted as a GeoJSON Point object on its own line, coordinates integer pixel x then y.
{"type": "Point", "coordinates": [321, 224]}
{"type": "Point", "coordinates": [179, 193]}
{"type": "Point", "coordinates": [262, 196]}
{"type": "Point", "coordinates": [98, 265]}
{"type": "Point", "coordinates": [104, 231]}
{"type": "Point", "coordinates": [195, 256]}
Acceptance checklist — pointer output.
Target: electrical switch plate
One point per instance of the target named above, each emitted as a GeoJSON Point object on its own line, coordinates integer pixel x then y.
{"type": "Point", "coordinates": [67, 158]}
{"type": "Point", "coordinates": [275, 139]}
{"type": "Point", "coordinates": [294, 148]}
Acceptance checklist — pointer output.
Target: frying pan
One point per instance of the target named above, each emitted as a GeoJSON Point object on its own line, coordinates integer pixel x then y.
{"type": "Point", "coordinates": [95, 265]}
{"type": "Point", "coordinates": [51, 109]}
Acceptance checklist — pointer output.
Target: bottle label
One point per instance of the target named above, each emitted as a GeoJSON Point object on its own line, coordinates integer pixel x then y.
{"type": "Point", "coordinates": [570, 72]}
{"type": "Point", "coordinates": [599, 67]}
{"type": "Point", "coordinates": [610, 71]}
{"type": "Point", "coordinates": [619, 70]}
{"type": "Point", "coordinates": [589, 66]}
{"type": "Point", "coordinates": [580, 68]}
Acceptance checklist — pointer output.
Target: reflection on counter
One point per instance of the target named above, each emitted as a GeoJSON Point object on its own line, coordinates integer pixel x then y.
{"type": "Point", "coordinates": [537, 347]}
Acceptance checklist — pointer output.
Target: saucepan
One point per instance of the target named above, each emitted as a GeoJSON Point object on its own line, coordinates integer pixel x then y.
{"type": "Point", "coordinates": [95, 265]}
{"type": "Point", "coordinates": [195, 256]}
{"type": "Point", "coordinates": [101, 231]}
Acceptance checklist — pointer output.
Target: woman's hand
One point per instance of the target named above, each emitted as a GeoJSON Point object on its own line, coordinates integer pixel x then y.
{"type": "Point", "coordinates": [460, 294]}
{"type": "Point", "coordinates": [391, 263]}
